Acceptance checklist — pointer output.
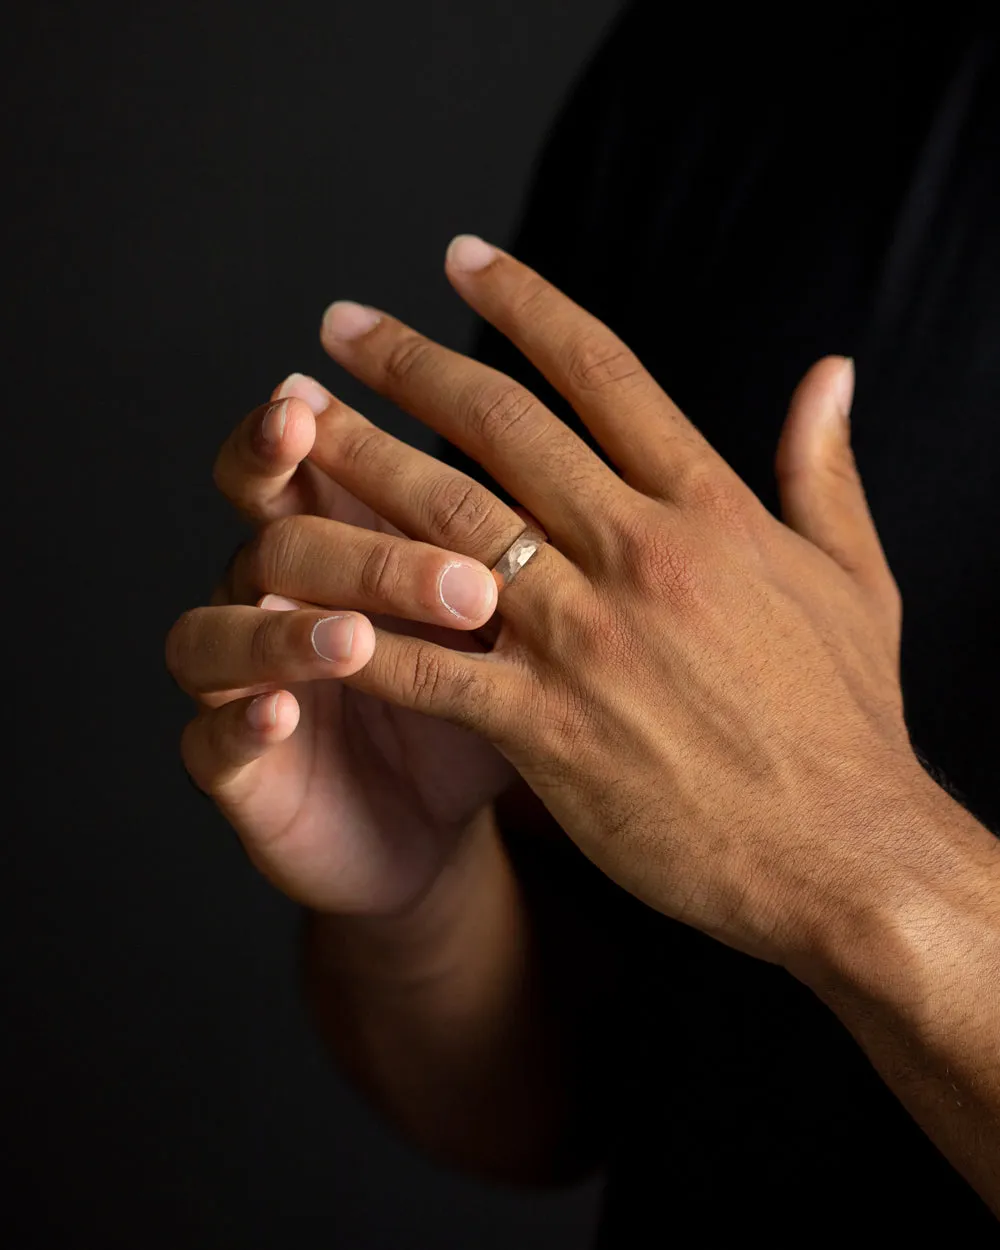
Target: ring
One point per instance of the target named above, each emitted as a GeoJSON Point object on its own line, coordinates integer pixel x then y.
{"type": "Point", "coordinates": [504, 571]}
{"type": "Point", "coordinates": [517, 555]}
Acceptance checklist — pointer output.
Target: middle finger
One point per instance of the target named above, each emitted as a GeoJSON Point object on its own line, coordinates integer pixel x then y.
{"type": "Point", "coordinates": [527, 449]}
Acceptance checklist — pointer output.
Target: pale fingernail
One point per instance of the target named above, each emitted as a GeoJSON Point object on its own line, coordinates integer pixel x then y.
{"type": "Point", "coordinates": [845, 388]}
{"type": "Point", "coordinates": [298, 386]}
{"type": "Point", "coordinates": [345, 320]}
{"type": "Point", "coordinates": [332, 637]}
{"type": "Point", "coordinates": [262, 713]}
{"type": "Point", "coordinates": [272, 424]}
{"type": "Point", "coordinates": [468, 252]}
{"type": "Point", "coordinates": [466, 591]}
{"type": "Point", "coordinates": [278, 603]}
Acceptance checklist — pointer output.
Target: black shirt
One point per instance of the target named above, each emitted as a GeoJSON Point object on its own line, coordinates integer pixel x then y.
{"type": "Point", "coordinates": [735, 203]}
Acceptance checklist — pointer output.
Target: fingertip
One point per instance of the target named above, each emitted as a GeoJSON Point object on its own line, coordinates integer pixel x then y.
{"type": "Point", "coordinates": [300, 386]}
{"type": "Point", "coordinates": [819, 408]}
{"type": "Point", "coordinates": [363, 643]}
{"type": "Point", "coordinates": [277, 603]}
{"type": "Point", "coordinates": [344, 321]}
{"type": "Point", "coordinates": [280, 436]}
{"type": "Point", "coordinates": [347, 640]}
{"type": "Point", "coordinates": [271, 427]}
{"type": "Point", "coordinates": [830, 383]}
{"type": "Point", "coordinates": [844, 387]}
{"type": "Point", "coordinates": [273, 715]}
{"type": "Point", "coordinates": [468, 253]}
{"type": "Point", "coordinates": [468, 592]}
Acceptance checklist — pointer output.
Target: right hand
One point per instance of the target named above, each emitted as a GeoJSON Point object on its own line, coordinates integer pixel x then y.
{"type": "Point", "coordinates": [346, 803]}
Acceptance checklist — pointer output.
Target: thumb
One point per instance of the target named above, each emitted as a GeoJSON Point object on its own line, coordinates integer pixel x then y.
{"type": "Point", "coordinates": [818, 482]}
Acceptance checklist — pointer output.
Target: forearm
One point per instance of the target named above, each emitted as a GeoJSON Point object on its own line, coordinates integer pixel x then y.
{"type": "Point", "coordinates": [441, 1017]}
{"type": "Point", "coordinates": [918, 986]}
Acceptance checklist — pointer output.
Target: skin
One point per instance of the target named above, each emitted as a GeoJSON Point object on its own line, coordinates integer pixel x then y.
{"type": "Point", "coordinates": [704, 698]}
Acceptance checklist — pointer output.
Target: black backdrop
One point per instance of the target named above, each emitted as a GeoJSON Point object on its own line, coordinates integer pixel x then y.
{"type": "Point", "coordinates": [186, 187]}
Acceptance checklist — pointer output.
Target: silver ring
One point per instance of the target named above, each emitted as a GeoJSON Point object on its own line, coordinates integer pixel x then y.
{"type": "Point", "coordinates": [517, 555]}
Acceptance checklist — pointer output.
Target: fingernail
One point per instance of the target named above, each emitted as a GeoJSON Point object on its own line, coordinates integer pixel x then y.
{"type": "Point", "coordinates": [466, 591]}
{"type": "Point", "coordinates": [298, 386]}
{"type": "Point", "coordinates": [332, 637]}
{"type": "Point", "coordinates": [272, 424]}
{"type": "Point", "coordinates": [278, 603]}
{"type": "Point", "coordinates": [845, 388]}
{"type": "Point", "coordinates": [468, 252]}
{"type": "Point", "coordinates": [263, 711]}
{"type": "Point", "coordinates": [345, 321]}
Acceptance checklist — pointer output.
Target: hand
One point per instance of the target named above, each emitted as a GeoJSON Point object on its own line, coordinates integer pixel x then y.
{"type": "Point", "coordinates": [348, 804]}
{"type": "Point", "coordinates": [706, 698]}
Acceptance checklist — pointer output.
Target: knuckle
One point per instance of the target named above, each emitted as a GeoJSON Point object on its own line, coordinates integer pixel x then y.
{"type": "Point", "coordinates": [576, 623]}
{"type": "Point", "coordinates": [719, 494]}
{"type": "Point", "coordinates": [436, 687]}
{"type": "Point", "coordinates": [273, 550]}
{"type": "Point", "coordinates": [657, 560]}
{"type": "Point", "coordinates": [462, 509]}
{"type": "Point", "coordinates": [841, 468]}
{"type": "Point", "coordinates": [231, 479]}
{"type": "Point", "coordinates": [266, 642]}
{"type": "Point", "coordinates": [404, 356]}
{"type": "Point", "coordinates": [497, 413]}
{"type": "Point", "coordinates": [596, 361]}
{"type": "Point", "coordinates": [378, 576]}
{"type": "Point", "coordinates": [533, 291]}
{"type": "Point", "coordinates": [846, 556]}
{"type": "Point", "coordinates": [427, 678]}
{"type": "Point", "coordinates": [356, 444]}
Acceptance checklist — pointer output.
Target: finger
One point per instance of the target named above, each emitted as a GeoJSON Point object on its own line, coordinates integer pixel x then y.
{"type": "Point", "coordinates": [317, 560]}
{"type": "Point", "coordinates": [526, 448]}
{"type": "Point", "coordinates": [424, 498]}
{"type": "Point", "coordinates": [475, 640]}
{"type": "Point", "coordinates": [231, 648]}
{"type": "Point", "coordinates": [822, 497]}
{"type": "Point", "coordinates": [315, 492]}
{"type": "Point", "coordinates": [473, 689]}
{"type": "Point", "coordinates": [618, 400]}
{"type": "Point", "coordinates": [257, 466]}
{"type": "Point", "coordinates": [220, 746]}
{"type": "Point", "coordinates": [270, 603]}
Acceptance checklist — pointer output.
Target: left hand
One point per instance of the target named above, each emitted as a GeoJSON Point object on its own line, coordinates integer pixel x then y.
{"type": "Point", "coordinates": [706, 698]}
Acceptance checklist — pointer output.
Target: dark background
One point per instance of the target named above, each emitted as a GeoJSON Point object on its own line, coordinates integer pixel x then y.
{"type": "Point", "coordinates": [187, 186]}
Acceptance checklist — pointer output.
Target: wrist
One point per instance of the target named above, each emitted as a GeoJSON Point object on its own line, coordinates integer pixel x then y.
{"type": "Point", "coordinates": [917, 911]}
{"type": "Point", "coordinates": [473, 893]}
